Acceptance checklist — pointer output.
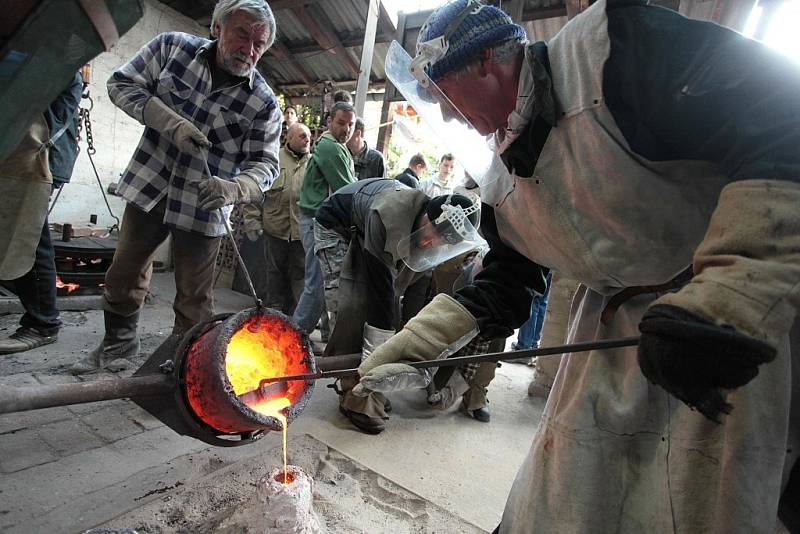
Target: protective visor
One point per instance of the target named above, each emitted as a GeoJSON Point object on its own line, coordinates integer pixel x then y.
{"type": "Point", "coordinates": [472, 150]}
{"type": "Point", "coordinates": [450, 235]}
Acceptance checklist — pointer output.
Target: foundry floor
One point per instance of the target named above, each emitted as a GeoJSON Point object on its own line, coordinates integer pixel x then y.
{"type": "Point", "coordinates": [71, 468]}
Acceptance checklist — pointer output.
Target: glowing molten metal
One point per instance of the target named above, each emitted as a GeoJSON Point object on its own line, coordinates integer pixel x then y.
{"type": "Point", "coordinates": [265, 349]}
{"type": "Point", "coordinates": [225, 365]}
{"type": "Point", "coordinates": [69, 287]}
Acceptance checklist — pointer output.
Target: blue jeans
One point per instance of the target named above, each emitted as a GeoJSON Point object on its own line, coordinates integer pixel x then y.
{"type": "Point", "coordinates": [37, 289]}
{"type": "Point", "coordinates": [530, 333]}
{"type": "Point", "coordinates": [311, 305]}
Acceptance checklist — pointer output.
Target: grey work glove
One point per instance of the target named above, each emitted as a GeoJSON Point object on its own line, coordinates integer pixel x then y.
{"type": "Point", "coordinates": [215, 192]}
{"type": "Point", "coordinates": [168, 122]}
{"type": "Point", "coordinates": [439, 329]}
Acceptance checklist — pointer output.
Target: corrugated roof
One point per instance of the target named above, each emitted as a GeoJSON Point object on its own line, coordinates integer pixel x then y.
{"type": "Point", "coordinates": [344, 19]}
{"type": "Point", "coordinates": [347, 19]}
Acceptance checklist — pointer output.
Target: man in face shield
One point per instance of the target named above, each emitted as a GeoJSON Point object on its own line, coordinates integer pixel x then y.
{"type": "Point", "coordinates": [395, 234]}
{"type": "Point", "coordinates": [654, 158]}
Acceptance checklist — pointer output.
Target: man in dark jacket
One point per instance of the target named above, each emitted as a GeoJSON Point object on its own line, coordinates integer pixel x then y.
{"type": "Point", "coordinates": [36, 289]}
{"type": "Point", "coordinates": [410, 176]}
{"type": "Point", "coordinates": [395, 234]}
{"type": "Point", "coordinates": [367, 161]}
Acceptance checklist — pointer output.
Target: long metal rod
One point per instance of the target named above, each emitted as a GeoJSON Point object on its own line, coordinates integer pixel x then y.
{"type": "Point", "coordinates": [583, 346]}
{"type": "Point", "coordinates": [33, 398]}
{"type": "Point", "coordinates": [236, 253]}
{"type": "Point", "coordinates": [14, 399]}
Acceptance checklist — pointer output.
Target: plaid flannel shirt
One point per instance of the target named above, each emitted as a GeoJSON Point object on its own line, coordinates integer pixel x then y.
{"type": "Point", "coordinates": [243, 123]}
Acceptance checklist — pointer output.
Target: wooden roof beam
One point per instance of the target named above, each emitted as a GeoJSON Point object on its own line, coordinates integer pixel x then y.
{"type": "Point", "coordinates": [280, 51]}
{"type": "Point", "coordinates": [265, 72]}
{"type": "Point", "coordinates": [278, 5]}
{"type": "Point", "coordinates": [326, 38]}
{"type": "Point", "coordinates": [374, 85]}
{"type": "Point", "coordinates": [385, 24]}
{"type": "Point", "coordinates": [575, 7]}
{"type": "Point", "coordinates": [352, 41]}
{"type": "Point", "coordinates": [541, 13]}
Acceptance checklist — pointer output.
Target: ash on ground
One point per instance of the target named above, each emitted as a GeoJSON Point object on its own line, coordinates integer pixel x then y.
{"type": "Point", "coordinates": [347, 498]}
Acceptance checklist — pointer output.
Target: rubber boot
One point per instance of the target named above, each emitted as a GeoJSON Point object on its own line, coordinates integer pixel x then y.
{"type": "Point", "coordinates": [367, 413]}
{"type": "Point", "coordinates": [119, 344]}
{"type": "Point", "coordinates": [374, 337]}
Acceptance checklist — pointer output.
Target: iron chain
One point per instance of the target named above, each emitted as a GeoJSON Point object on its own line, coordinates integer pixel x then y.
{"type": "Point", "coordinates": [87, 125]}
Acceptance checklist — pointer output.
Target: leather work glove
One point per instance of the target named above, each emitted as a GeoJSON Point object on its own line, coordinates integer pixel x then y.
{"type": "Point", "coordinates": [183, 134]}
{"type": "Point", "coordinates": [734, 314]}
{"type": "Point", "coordinates": [693, 358]}
{"type": "Point", "coordinates": [252, 221]}
{"type": "Point", "coordinates": [439, 329]}
{"type": "Point", "coordinates": [253, 235]}
{"type": "Point", "coordinates": [215, 192]}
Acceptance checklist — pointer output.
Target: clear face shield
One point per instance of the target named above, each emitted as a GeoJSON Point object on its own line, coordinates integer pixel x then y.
{"type": "Point", "coordinates": [473, 151]}
{"type": "Point", "coordinates": [451, 234]}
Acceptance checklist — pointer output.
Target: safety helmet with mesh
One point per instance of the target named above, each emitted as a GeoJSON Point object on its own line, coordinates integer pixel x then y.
{"type": "Point", "coordinates": [449, 215]}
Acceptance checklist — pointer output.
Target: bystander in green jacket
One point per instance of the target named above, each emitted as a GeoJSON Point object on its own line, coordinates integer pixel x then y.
{"type": "Point", "coordinates": [330, 168]}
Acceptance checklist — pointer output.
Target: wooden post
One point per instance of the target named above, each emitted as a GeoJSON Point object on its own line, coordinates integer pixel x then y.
{"type": "Point", "coordinates": [366, 56]}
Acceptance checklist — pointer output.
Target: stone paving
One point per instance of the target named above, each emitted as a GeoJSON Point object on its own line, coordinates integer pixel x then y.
{"type": "Point", "coordinates": [66, 469]}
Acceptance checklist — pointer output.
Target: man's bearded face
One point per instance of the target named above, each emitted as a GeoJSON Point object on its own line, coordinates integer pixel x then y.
{"type": "Point", "coordinates": [242, 42]}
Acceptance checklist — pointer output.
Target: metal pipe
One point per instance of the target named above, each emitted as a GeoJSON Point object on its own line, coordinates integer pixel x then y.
{"type": "Point", "coordinates": [14, 399]}
{"type": "Point", "coordinates": [344, 361]}
{"type": "Point", "coordinates": [33, 398]}
{"type": "Point", "coordinates": [583, 346]}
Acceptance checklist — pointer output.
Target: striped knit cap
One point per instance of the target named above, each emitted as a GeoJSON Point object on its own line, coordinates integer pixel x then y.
{"type": "Point", "coordinates": [477, 32]}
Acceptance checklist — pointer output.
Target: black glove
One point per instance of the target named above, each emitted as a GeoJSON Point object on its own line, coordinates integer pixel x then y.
{"type": "Point", "coordinates": [694, 359]}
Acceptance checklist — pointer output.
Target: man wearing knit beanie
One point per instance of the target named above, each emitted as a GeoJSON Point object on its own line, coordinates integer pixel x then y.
{"type": "Point", "coordinates": [628, 148]}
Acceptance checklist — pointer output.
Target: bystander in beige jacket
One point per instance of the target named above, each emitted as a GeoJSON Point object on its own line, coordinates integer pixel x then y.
{"type": "Point", "coordinates": [278, 215]}
{"type": "Point", "coordinates": [277, 220]}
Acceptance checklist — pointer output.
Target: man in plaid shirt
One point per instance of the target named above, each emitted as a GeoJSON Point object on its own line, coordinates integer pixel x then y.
{"type": "Point", "coordinates": [198, 99]}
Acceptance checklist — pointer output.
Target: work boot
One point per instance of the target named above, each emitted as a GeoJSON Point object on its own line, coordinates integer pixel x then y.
{"type": "Point", "coordinates": [365, 423]}
{"type": "Point", "coordinates": [374, 337]}
{"type": "Point", "coordinates": [318, 336]}
{"type": "Point", "coordinates": [324, 326]}
{"type": "Point", "coordinates": [26, 338]}
{"type": "Point", "coordinates": [481, 414]}
{"type": "Point", "coordinates": [366, 413]}
{"type": "Point", "coordinates": [119, 344]}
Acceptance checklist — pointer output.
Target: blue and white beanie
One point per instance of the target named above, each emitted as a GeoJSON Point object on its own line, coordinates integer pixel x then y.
{"type": "Point", "coordinates": [479, 31]}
